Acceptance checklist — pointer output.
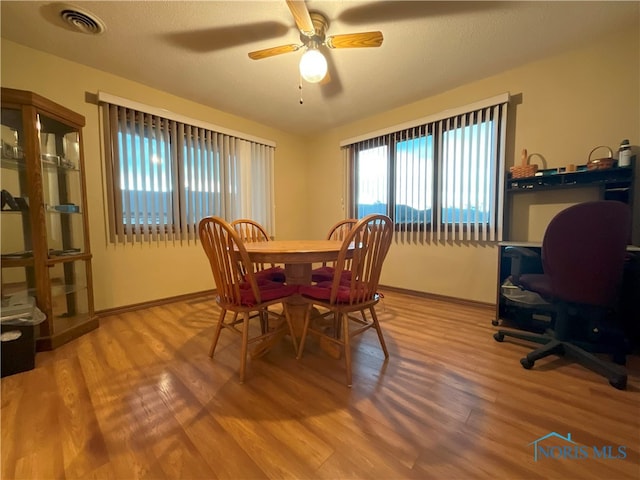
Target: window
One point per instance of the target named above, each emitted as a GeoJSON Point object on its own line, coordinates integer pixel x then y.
{"type": "Point", "coordinates": [441, 179]}
{"type": "Point", "coordinates": [145, 179]}
{"type": "Point", "coordinates": [164, 175]}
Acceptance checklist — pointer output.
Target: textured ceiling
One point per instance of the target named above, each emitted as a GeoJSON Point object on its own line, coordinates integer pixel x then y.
{"type": "Point", "coordinates": [198, 50]}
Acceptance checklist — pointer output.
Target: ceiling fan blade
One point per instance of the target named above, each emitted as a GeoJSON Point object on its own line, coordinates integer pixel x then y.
{"type": "Point", "coordinates": [355, 40]}
{"type": "Point", "coordinates": [270, 52]}
{"type": "Point", "coordinates": [219, 38]}
{"type": "Point", "coordinates": [396, 11]}
{"type": "Point", "coordinates": [301, 15]}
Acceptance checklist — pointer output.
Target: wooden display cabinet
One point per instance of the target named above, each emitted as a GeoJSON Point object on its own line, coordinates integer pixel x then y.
{"type": "Point", "coordinates": [45, 235]}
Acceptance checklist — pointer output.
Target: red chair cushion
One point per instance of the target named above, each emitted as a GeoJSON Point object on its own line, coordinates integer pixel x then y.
{"type": "Point", "coordinates": [259, 280]}
{"type": "Point", "coordinates": [268, 291]}
{"type": "Point", "coordinates": [325, 274]}
{"type": "Point", "coordinates": [322, 274]}
{"type": "Point", "coordinates": [322, 291]}
{"type": "Point", "coordinates": [273, 274]}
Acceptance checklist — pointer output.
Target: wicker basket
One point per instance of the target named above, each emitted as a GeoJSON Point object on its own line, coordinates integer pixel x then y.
{"type": "Point", "coordinates": [524, 169]}
{"type": "Point", "coordinates": [600, 163]}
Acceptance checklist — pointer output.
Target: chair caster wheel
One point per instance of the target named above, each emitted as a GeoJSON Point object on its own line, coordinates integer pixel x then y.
{"type": "Point", "coordinates": [619, 383]}
{"type": "Point", "coordinates": [526, 363]}
{"type": "Point", "coordinates": [495, 323]}
{"type": "Point", "coordinates": [498, 336]}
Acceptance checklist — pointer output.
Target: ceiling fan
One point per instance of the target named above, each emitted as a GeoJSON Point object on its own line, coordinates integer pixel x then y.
{"type": "Point", "coordinates": [313, 28]}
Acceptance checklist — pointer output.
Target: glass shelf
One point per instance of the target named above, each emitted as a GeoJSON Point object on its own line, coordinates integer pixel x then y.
{"type": "Point", "coordinates": [53, 209]}
{"type": "Point", "coordinates": [59, 164]}
{"type": "Point", "coordinates": [12, 163]}
{"type": "Point", "coordinates": [14, 212]}
{"type": "Point", "coordinates": [58, 290]}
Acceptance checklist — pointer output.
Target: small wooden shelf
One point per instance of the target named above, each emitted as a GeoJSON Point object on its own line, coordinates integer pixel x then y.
{"type": "Point", "coordinates": [615, 183]}
{"type": "Point", "coordinates": [616, 177]}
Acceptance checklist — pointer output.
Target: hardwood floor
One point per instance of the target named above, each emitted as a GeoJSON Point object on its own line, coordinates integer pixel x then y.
{"type": "Point", "coordinates": [139, 398]}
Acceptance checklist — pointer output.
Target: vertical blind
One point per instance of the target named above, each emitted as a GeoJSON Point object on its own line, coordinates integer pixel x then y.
{"type": "Point", "coordinates": [164, 175]}
{"type": "Point", "coordinates": [441, 180]}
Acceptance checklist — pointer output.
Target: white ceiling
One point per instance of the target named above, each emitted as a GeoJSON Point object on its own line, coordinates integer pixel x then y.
{"type": "Point", "coordinates": [198, 50]}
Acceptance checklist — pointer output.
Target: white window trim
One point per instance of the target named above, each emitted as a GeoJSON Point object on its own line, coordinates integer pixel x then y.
{"type": "Point", "coordinates": [162, 112]}
{"type": "Point", "coordinates": [487, 102]}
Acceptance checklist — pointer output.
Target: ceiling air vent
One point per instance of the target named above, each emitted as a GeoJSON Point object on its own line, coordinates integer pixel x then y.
{"type": "Point", "coordinates": [81, 20]}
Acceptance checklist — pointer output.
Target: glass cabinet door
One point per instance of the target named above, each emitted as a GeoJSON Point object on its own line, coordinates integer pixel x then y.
{"type": "Point", "coordinates": [62, 194]}
{"type": "Point", "coordinates": [61, 187]}
{"type": "Point", "coordinates": [18, 279]}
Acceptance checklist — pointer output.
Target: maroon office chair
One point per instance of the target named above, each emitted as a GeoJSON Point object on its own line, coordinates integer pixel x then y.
{"type": "Point", "coordinates": [583, 256]}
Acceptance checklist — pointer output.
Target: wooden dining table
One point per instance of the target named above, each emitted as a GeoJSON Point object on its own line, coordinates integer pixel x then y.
{"type": "Point", "coordinates": [298, 257]}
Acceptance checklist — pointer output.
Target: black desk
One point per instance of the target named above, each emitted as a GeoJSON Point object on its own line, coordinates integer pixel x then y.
{"type": "Point", "coordinates": [538, 318]}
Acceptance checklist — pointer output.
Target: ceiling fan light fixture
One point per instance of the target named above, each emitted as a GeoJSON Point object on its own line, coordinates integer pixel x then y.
{"type": "Point", "coordinates": [313, 66]}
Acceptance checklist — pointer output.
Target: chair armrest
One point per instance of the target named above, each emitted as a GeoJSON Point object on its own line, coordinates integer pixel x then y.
{"type": "Point", "coordinates": [516, 254]}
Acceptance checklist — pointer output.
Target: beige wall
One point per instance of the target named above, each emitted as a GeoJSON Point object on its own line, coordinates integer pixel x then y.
{"type": "Point", "coordinates": [566, 105]}
{"type": "Point", "coordinates": [126, 275]}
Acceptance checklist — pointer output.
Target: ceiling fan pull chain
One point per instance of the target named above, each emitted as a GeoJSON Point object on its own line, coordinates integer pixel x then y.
{"type": "Point", "coordinates": [300, 88]}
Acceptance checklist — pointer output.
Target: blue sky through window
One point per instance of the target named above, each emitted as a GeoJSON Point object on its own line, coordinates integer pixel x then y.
{"type": "Point", "coordinates": [145, 180]}
{"type": "Point", "coordinates": [467, 155]}
{"type": "Point", "coordinates": [144, 173]}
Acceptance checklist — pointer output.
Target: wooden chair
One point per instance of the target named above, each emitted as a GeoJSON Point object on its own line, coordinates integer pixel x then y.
{"type": "Point", "coordinates": [252, 231]}
{"type": "Point", "coordinates": [238, 290]}
{"type": "Point", "coordinates": [341, 229]}
{"type": "Point", "coordinates": [353, 289]}
{"type": "Point", "coordinates": [336, 232]}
